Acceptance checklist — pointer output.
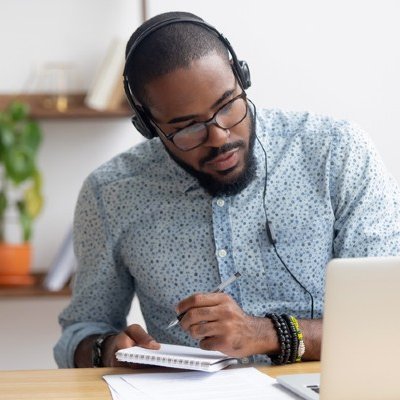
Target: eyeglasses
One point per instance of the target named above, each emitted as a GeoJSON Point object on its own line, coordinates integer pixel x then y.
{"type": "Point", "coordinates": [194, 135]}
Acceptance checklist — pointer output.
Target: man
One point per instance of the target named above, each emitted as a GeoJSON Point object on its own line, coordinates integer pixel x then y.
{"type": "Point", "coordinates": [222, 187]}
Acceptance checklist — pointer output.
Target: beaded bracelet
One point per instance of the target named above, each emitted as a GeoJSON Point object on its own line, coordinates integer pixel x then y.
{"type": "Point", "coordinates": [301, 347]}
{"type": "Point", "coordinates": [290, 338]}
{"type": "Point", "coordinates": [284, 338]}
{"type": "Point", "coordinates": [294, 338]}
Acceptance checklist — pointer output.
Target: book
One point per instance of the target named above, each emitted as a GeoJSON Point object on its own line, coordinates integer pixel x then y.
{"type": "Point", "coordinates": [117, 97]}
{"type": "Point", "coordinates": [63, 265]}
{"type": "Point", "coordinates": [174, 356]}
{"type": "Point", "coordinates": [106, 89]}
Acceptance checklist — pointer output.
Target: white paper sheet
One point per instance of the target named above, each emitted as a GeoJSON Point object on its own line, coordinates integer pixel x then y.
{"type": "Point", "coordinates": [232, 384]}
{"type": "Point", "coordinates": [121, 390]}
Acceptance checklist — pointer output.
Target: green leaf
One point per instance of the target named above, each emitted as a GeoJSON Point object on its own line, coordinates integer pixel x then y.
{"type": "Point", "coordinates": [7, 138]}
{"type": "Point", "coordinates": [26, 223]}
{"type": "Point", "coordinates": [33, 201]}
{"type": "Point", "coordinates": [18, 111]}
{"type": "Point", "coordinates": [3, 203]}
{"type": "Point", "coordinates": [31, 136]}
{"type": "Point", "coordinates": [37, 181]}
{"type": "Point", "coordinates": [19, 164]}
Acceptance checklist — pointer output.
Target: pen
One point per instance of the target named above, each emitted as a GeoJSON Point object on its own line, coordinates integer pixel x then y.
{"type": "Point", "coordinates": [218, 289]}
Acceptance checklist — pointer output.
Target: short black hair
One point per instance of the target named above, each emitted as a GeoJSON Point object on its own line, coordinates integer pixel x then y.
{"type": "Point", "coordinates": [171, 47]}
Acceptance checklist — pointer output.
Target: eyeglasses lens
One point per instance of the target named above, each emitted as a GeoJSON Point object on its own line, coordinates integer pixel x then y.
{"type": "Point", "coordinates": [227, 117]}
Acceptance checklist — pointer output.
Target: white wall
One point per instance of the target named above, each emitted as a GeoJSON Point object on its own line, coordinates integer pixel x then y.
{"type": "Point", "coordinates": [334, 57]}
{"type": "Point", "coordinates": [34, 33]}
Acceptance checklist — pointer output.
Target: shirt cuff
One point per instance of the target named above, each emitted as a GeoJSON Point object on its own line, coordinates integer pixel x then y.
{"type": "Point", "coordinates": [64, 350]}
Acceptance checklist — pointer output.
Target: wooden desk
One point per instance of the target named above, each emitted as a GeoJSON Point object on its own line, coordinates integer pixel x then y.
{"type": "Point", "coordinates": [87, 383]}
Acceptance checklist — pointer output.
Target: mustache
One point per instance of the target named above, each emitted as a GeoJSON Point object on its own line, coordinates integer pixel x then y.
{"type": "Point", "coordinates": [215, 152]}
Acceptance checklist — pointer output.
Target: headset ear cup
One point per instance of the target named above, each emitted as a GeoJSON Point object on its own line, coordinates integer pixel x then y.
{"type": "Point", "coordinates": [139, 122]}
{"type": "Point", "coordinates": [244, 72]}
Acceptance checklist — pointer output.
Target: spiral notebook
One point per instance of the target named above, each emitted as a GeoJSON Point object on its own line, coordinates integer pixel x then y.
{"type": "Point", "coordinates": [174, 356]}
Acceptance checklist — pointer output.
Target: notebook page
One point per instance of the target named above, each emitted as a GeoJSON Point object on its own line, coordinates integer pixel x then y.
{"type": "Point", "coordinates": [176, 356]}
{"type": "Point", "coordinates": [176, 350]}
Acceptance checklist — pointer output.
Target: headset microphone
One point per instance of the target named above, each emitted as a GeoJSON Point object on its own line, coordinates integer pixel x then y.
{"type": "Point", "coordinates": [270, 232]}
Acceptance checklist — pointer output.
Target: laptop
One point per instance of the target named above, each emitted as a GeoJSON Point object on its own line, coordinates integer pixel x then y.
{"type": "Point", "coordinates": [361, 334]}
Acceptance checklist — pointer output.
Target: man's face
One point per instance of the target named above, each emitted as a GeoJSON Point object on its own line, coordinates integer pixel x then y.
{"type": "Point", "coordinates": [194, 94]}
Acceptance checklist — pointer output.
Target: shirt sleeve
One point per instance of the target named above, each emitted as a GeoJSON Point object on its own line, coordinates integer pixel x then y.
{"type": "Point", "coordinates": [365, 197]}
{"type": "Point", "coordinates": [103, 288]}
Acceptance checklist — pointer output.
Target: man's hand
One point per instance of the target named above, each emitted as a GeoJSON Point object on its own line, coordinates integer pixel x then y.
{"type": "Point", "coordinates": [220, 324]}
{"type": "Point", "coordinates": [133, 335]}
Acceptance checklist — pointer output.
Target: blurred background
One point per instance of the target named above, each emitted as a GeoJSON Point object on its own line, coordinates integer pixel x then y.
{"type": "Point", "coordinates": [339, 58]}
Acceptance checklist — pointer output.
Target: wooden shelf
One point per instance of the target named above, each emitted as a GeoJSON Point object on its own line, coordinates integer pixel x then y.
{"type": "Point", "coordinates": [76, 108]}
{"type": "Point", "coordinates": [35, 290]}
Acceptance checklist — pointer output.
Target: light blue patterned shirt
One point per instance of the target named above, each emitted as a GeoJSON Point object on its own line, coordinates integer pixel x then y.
{"type": "Point", "coordinates": [143, 225]}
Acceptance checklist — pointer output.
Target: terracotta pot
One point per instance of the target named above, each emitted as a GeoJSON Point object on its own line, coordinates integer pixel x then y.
{"type": "Point", "coordinates": [15, 263]}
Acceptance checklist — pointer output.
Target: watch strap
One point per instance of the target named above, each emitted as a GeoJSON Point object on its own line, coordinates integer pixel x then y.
{"type": "Point", "coordinates": [97, 349]}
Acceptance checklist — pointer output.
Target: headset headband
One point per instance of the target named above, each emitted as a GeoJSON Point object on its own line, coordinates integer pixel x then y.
{"type": "Point", "coordinates": [158, 25]}
{"type": "Point", "coordinates": [140, 120]}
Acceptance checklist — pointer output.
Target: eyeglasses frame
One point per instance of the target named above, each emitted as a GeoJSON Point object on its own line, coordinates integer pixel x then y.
{"type": "Point", "coordinates": [211, 121]}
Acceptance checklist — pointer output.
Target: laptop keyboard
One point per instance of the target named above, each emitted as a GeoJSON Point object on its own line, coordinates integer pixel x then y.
{"type": "Point", "coordinates": [314, 388]}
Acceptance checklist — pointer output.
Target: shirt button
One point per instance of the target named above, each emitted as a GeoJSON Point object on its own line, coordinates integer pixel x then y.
{"type": "Point", "coordinates": [245, 360]}
{"type": "Point", "coordinates": [220, 202]}
{"type": "Point", "coordinates": [222, 253]}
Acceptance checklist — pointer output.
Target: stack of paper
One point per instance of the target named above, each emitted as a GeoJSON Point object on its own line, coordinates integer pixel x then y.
{"type": "Point", "coordinates": [230, 384]}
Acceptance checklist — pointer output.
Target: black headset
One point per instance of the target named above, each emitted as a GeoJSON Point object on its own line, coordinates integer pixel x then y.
{"type": "Point", "coordinates": [140, 119]}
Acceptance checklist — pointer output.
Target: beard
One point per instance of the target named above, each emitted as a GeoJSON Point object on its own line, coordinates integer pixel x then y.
{"type": "Point", "coordinates": [232, 187]}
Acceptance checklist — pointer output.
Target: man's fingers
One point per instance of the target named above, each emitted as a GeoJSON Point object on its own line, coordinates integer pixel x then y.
{"type": "Point", "coordinates": [200, 331]}
{"type": "Point", "coordinates": [123, 341]}
{"type": "Point", "coordinates": [140, 337]}
{"type": "Point", "coordinates": [213, 343]}
{"type": "Point", "coordinates": [201, 300]}
{"type": "Point", "coordinates": [226, 311]}
{"type": "Point", "coordinates": [199, 315]}
{"type": "Point", "coordinates": [134, 335]}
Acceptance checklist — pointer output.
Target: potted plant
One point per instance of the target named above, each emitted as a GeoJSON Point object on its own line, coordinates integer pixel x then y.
{"type": "Point", "coordinates": [21, 197]}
